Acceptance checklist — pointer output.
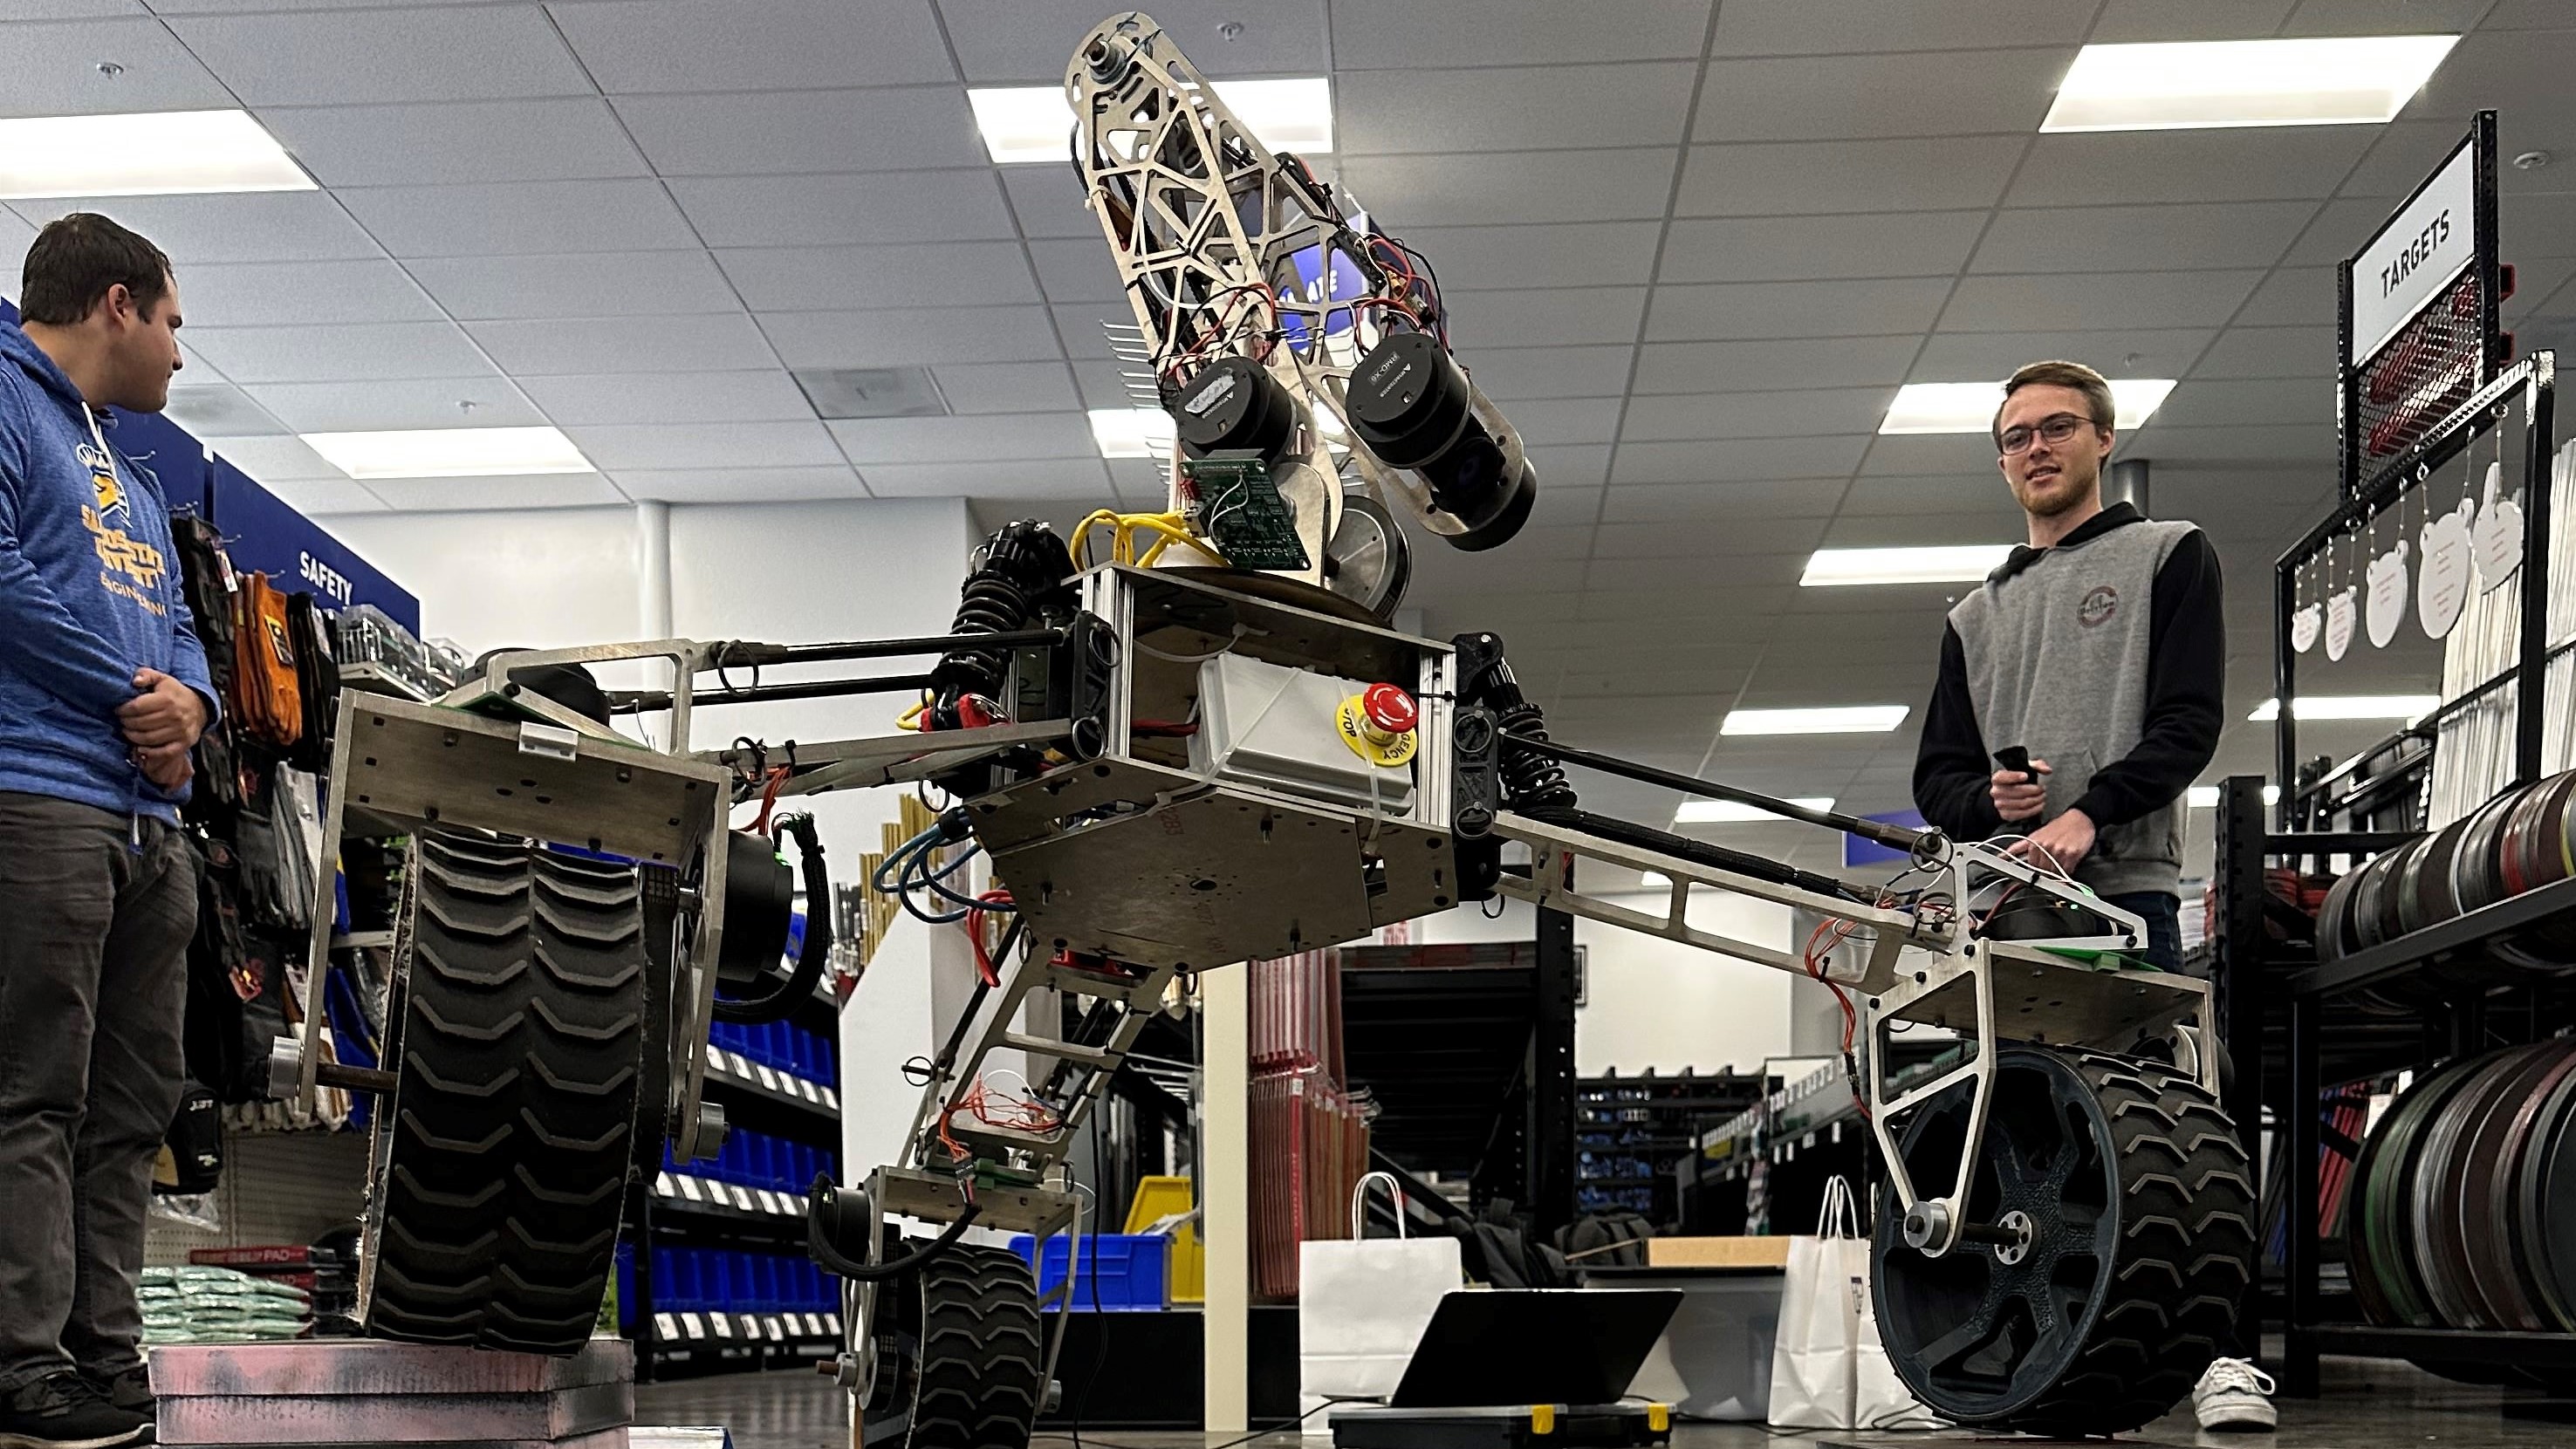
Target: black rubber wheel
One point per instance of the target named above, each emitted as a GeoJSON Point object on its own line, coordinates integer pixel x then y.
{"type": "Point", "coordinates": [502, 1158]}
{"type": "Point", "coordinates": [2142, 1242]}
{"type": "Point", "coordinates": [965, 1352]}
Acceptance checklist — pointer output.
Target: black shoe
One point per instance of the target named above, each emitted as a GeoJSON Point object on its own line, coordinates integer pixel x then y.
{"type": "Point", "coordinates": [63, 1411]}
{"type": "Point", "coordinates": [129, 1389]}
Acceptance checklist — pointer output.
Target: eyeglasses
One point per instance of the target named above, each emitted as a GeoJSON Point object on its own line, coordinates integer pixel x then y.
{"type": "Point", "coordinates": [2053, 429]}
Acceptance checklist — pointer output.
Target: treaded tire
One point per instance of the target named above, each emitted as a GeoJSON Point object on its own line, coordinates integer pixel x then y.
{"type": "Point", "coordinates": [501, 1162]}
{"type": "Point", "coordinates": [2144, 1273]}
{"type": "Point", "coordinates": [970, 1360]}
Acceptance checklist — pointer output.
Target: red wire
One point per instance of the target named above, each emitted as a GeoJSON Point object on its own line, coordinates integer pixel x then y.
{"type": "Point", "coordinates": [769, 797]}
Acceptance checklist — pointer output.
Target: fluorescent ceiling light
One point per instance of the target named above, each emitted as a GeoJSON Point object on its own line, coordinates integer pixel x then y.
{"type": "Point", "coordinates": [1959, 564]}
{"type": "Point", "coordinates": [1856, 719]}
{"type": "Point", "coordinates": [2195, 85]}
{"type": "Point", "coordinates": [1132, 432]}
{"type": "Point", "coordinates": [163, 153]}
{"type": "Point", "coordinates": [1969, 407]}
{"type": "Point", "coordinates": [2350, 706]}
{"type": "Point", "coordinates": [449, 452]}
{"type": "Point", "coordinates": [2205, 797]}
{"type": "Point", "coordinates": [1729, 812]}
{"type": "Point", "coordinates": [1034, 123]}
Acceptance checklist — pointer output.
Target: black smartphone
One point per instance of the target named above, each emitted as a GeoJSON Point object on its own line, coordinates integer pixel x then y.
{"type": "Point", "coordinates": [2016, 758]}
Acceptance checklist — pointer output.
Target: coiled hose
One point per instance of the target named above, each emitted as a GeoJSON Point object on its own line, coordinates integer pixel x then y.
{"type": "Point", "coordinates": [1531, 779]}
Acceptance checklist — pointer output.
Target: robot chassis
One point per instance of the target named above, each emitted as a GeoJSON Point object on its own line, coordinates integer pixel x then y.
{"type": "Point", "coordinates": [2066, 1228]}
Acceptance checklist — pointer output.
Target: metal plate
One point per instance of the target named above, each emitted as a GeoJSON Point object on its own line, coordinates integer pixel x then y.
{"type": "Point", "coordinates": [932, 1197]}
{"type": "Point", "coordinates": [2049, 1001]}
{"type": "Point", "coordinates": [420, 762]}
{"type": "Point", "coordinates": [2545, 1224]}
{"type": "Point", "coordinates": [2441, 1238]}
{"type": "Point", "coordinates": [1221, 876]}
{"type": "Point", "coordinates": [1368, 561]}
{"type": "Point", "coordinates": [2484, 1205]}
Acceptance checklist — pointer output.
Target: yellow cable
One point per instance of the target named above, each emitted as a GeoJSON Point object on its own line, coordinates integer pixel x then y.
{"type": "Point", "coordinates": [911, 719]}
{"type": "Point", "coordinates": [1172, 534]}
{"type": "Point", "coordinates": [1082, 531]}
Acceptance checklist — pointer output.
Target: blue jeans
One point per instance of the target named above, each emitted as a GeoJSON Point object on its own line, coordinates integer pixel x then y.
{"type": "Point", "coordinates": [2163, 915]}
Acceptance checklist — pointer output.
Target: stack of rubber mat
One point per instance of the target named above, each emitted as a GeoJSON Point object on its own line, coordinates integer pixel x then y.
{"type": "Point", "coordinates": [2518, 841]}
{"type": "Point", "coordinates": [2464, 1205]}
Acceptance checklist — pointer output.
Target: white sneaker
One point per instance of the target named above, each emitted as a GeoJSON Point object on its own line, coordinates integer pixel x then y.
{"type": "Point", "coordinates": [2232, 1398]}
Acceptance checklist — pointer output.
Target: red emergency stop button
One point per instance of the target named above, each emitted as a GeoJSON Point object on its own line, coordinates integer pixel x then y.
{"type": "Point", "coordinates": [1389, 708]}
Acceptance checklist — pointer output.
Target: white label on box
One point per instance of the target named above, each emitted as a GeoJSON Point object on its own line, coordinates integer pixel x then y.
{"type": "Point", "coordinates": [690, 1322]}
{"type": "Point", "coordinates": [833, 1321]}
{"type": "Point", "coordinates": [742, 1198]}
{"type": "Point", "coordinates": [777, 1330]}
{"type": "Point", "coordinates": [689, 1188]}
{"type": "Point", "coordinates": [723, 1329]}
{"type": "Point", "coordinates": [767, 1077]}
{"type": "Point", "coordinates": [665, 1326]}
{"type": "Point", "coordinates": [812, 1092]}
{"type": "Point", "coordinates": [831, 1099]}
{"type": "Point", "coordinates": [662, 1186]}
{"type": "Point", "coordinates": [769, 1201]}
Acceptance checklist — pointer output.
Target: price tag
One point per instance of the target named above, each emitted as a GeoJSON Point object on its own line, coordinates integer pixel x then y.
{"type": "Point", "coordinates": [689, 1321]}
{"type": "Point", "coordinates": [665, 1327]}
{"type": "Point", "coordinates": [812, 1092]}
{"type": "Point", "coordinates": [767, 1077]}
{"type": "Point", "coordinates": [834, 1322]}
{"type": "Point", "coordinates": [769, 1202]}
{"type": "Point", "coordinates": [742, 1198]}
{"type": "Point", "coordinates": [723, 1328]}
{"type": "Point", "coordinates": [689, 1188]}
{"type": "Point", "coordinates": [777, 1330]}
{"type": "Point", "coordinates": [662, 1186]}
{"type": "Point", "coordinates": [831, 1100]}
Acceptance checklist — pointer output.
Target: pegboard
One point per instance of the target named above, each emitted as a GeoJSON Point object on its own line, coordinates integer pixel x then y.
{"type": "Point", "coordinates": [277, 1187]}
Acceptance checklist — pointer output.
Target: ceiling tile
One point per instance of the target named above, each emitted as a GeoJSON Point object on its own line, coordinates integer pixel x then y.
{"type": "Point", "coordinates": [895, 206]}
{"type": "Point", "coordinates": [2270, 352]}
{"type": "Point", "coordinates": [1030, 42]}
{"type": "Point", "coordinates": [252, 226]}
{"type": "Point", "coordinates": [1818, 27]}
{"type": "Point", "coordinates": [2383, 17]}
{"type": "Point", "coordinates": [346, 407]}
{"type": "Point", "coordinates": [1964, 492]}
{"type": "Point", "coordinates": [1496, 188]}
{"type": "Point", "coordinates": [2112, 168]}
{"type": "Point", "coordinates": [2292, 297]}
{"type": "Point", "coordinates": [2339, 229]}
{"type": "Point", "coordinates": [473, 141]}
{"type": "Point", "coordinates": [1560, 505]}
{"type": "Point", "coordinates": [1807, 413]}
{"type": "Point", "coordinates": [1703, 532]}
{"type": "Point", "coordinates": [781, 279]}
{"type": "Point", "coordinates": [363, 352]}
{"type": "Point", "coordinates": [1381, 112]}
{"type": "Point", "coordinates": [2143, 238]}
{"type": "Point", "coordinates": [76, 9]}
{"type": "Point", "coordinates": [2313, 441]}
{"type": "Point", "coordinates": [322, 497]}
{"type": "Point", "coordinates": [1551, 421]}
{"type": "Point", "coordinates": [557, 490]}
{"type": "Point", "coordinates": [1898, 530]}
{"type": "Point", "coordinates": [1047, 201]}
{"type": "Point", "coordinates": [274, 293]}
{"type": "Point", "coordinates": [989, 438]}
{"type": "Point", "coordinates": [520, 218]}
{"type": "Point", "coordinates": [707, 445]}
{"type": "Point", "coordinates": [1804, 178]}
{"type": "Point", "coordinates": [737, 485]}
{"type": "Point", "coordinates": [904, 337]}
{"type": "Point", "coordinates": [220, 410]}
{"type": "Point", "coordinates": [594, 399]}
{"type": "Point", "coordinates": [2117, 352]}
{"type": "Point", "coordinates": [1637, 504]}
{"type": "Point", "coordinates": [1694, 367]}
{"type": "Point", "coordinates": [2245, 401]}
{"type": "Point", "coordinates": [622, 284]}
{"type": "Point", "coordinates": [755, 45]}
{"type": "Point", "coordinates": [1825, 98]}
{"type": "Point", "coordinates": [1080, 478]}
{"type": "Point", "coordinates": [2078, 302]}
{"type": "Point", "coordinates": [281, 458]}
{"type": "Point", "coordinates": [377, 57]}
{"type": "Point", "coordinates": [1007, 387]}
{"type": "Point", "coordinates": [1508, 374]}
{"type": "Point", "coordinates": [1913, 455]}
{"type": "Point", "coordinates": [1563, 315]}
{"type": "Point", "coordinates": [52, 69]}
{"type": "Point", "coordinates": [1801, 248]}
{"type": "Point", "coordinates": [1076, 269]}
{"type": "Point", "coordinates": [2133, 21]}
{"type": "Point", "coordinates": [1368, 35]}
{"type": "Point", "coordinates": [1853, 308]}
{"type": "Point", "coordinates": [1737, 460]}
{"type": "Point", "coordinates": [714, 342]}
{"type": "Point", "coordinates": [749, 133]}
{"type": "Point", "coordinates": [1571, 466]}
{"type": "Point", "coordinates": [1507, 257]}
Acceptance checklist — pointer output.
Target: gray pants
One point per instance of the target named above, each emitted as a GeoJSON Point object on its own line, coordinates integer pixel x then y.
{"type": "Point", "coordinates": [93, 982]}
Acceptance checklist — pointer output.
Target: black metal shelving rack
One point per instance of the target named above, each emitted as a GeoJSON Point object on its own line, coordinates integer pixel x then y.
{"type": "Point", "coordinates": [1630, 1130]}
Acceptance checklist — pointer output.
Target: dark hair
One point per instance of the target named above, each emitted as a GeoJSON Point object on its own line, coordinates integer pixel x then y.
{"type": "Point", "coordinates": [75, 260]}
{"type": "Point", "coordinates": [2096, 390]}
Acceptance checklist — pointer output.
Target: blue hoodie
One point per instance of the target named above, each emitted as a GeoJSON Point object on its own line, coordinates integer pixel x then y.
{"type": "Point", "coordinates": [89, 594]}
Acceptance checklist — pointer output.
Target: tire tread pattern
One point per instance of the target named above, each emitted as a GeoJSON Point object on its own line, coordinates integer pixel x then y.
{"type": "Point", "coordinates": [495, 1207]}
{"type": "Point", "coordinates": [982, 1371]}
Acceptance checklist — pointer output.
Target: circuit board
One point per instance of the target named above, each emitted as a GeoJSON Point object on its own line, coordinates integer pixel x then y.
{"type": "Point", "coordinates": [1240, 510]}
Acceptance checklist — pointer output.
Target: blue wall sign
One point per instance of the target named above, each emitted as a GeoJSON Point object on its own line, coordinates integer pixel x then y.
{"type": "Point", "coordinates": [1857, 851]}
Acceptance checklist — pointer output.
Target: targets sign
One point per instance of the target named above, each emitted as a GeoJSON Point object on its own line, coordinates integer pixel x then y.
{"type": "Point", "coordinates": [2422, 250]}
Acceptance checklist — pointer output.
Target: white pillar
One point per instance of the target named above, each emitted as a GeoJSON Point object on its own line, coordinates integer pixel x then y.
{"type": "Point", "coordinates": [1225, 1195]}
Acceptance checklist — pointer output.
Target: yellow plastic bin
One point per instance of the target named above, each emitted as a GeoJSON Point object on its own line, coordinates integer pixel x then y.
{"type": "Point", "coordinates": [1158, 1198]}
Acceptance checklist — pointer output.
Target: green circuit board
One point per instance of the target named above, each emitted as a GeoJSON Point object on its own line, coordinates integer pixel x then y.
{"type": "Point", "coordinates": [1241, 511]}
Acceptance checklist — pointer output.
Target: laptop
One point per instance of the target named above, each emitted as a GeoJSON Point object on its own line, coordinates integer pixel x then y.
{"type": "Point", "coordinates": [1534, 1346]}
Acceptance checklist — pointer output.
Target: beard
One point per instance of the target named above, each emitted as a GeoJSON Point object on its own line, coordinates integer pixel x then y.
{"type": "Point", "coordinates": [2054, 496]}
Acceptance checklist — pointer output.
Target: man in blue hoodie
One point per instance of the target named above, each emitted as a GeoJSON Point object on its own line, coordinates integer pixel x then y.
{"type": "Point", "coordinates": [103, 690]}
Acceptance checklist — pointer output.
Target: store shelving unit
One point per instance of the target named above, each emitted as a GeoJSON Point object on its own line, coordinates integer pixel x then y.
{"type": "Point", "coordinates": [1629, 1130]}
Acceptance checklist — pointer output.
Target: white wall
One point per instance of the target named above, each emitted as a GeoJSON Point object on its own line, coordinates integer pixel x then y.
{"type": "Point", "coordinates": [1658, 1003]}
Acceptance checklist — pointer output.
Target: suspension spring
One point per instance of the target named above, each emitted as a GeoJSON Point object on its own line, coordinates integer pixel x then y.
{"type": "Point", "coordinates": [1530, 778]}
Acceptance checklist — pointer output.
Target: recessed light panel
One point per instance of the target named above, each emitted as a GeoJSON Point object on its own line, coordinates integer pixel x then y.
{"type": "Point", "coordinates": [2400, 707]}
{"type": "Point", "coordinates": [450, 452]}
{"type": "Point", "coordinates": [1948, 564]}
{"type": "Point", "coordinates": [1969, 407]}
{"type": "Point", "coordinates": [2196, 85]}
{"type": "Point", "coordinates": [161, 153]}
{"type": "Point", "coordinates": [1030, 124]}
{"type": "Point", "coordinates": [1856, 719]}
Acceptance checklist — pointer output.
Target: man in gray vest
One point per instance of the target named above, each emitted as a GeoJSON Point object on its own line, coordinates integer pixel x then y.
{"type": "Point", "coordinates": [2100, 649]}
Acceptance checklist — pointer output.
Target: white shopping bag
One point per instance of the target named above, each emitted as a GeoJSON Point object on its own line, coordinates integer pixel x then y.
{"type": "Point", "coordinates": [1362, 1306]}
{"type": "Point", "coordinates": [1828, 1368]}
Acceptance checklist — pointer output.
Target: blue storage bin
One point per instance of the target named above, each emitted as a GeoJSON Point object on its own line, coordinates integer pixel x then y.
{"type": "Point", "coordinates": [675, 1280]}
{"type": "Point", "coordinates": [1124, 1272]}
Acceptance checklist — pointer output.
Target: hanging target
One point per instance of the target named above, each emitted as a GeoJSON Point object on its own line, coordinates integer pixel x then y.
{"type": "Point", "coordinates": [2498, 532]}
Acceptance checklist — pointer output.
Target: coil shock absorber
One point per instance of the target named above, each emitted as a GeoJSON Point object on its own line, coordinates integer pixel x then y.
{"type": "Point", "coordinates": [1023, 571]}
{"type": "Point", "coordinates": [1531, 780]}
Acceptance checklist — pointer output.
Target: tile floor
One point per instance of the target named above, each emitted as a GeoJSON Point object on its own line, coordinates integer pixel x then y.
{"type": "Point", "coordinates": [2366, 1405]}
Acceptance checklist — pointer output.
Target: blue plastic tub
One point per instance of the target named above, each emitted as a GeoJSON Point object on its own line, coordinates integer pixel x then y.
{"type": "Point", "coordinates": [1121, 1272]}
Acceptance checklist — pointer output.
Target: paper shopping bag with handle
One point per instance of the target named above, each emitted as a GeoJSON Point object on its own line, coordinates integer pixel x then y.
{"type": "Point", "coordinates": [1362, 1305]}
{"type": "Point", "coordinates": [1815, 1359]}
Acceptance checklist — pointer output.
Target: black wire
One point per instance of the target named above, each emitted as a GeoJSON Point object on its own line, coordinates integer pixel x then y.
{"type": "Point", "coordinates": [1073, 1263]}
